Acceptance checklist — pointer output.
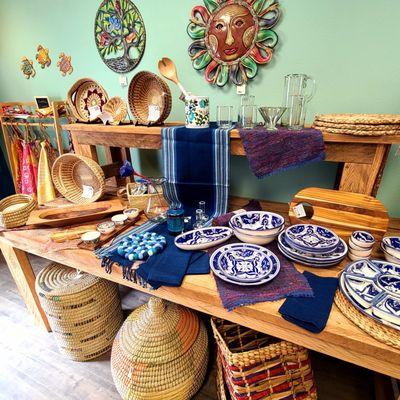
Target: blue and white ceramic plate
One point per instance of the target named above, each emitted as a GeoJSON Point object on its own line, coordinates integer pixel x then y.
{"type": "Point", "coordinates": [203, 238]}
{"type": "Point", "coordinates": [330, 258]}
{"type": "Point", "coordinates": [375, 286]}
{"type": "Point", "coordinates": [245, 264]}
{"type": "Point", "coordinates": [257, 222]}
{"type": "Point", "coordinates": [311, 238]}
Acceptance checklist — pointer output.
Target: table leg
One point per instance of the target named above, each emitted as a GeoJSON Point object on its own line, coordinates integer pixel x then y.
{"type": "Point", "coordinates": [24, 277]}
{"type": "Point", "coordinates": [86, 150]}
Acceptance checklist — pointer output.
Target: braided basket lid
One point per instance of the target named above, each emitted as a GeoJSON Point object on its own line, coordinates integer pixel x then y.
{"type": "Point", "coordinates": [158, 332]}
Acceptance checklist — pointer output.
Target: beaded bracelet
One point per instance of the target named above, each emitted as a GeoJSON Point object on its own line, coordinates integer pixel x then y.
{"type": "Point", "coordinates": [141, 246]}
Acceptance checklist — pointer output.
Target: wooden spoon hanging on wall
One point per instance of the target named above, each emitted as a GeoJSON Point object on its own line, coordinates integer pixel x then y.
{"type": "Point", "coordinates": [168, 70]}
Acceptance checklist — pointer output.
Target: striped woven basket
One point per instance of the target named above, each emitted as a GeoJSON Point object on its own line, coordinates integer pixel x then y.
{"type": "Point", "coordinates": [84, 311]}
{"type": "Point", "coordinates": [160, 353]}
{"type": "Point", "coordinates": [256, 366]}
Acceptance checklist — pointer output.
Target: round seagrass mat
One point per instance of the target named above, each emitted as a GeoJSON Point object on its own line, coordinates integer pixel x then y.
{"type": "Point", "coordinates": [363, 127]}
{"type": "Point", "coordinates": [359, 132]}
{"type": "Point", "coordinates": [383, 333]}
{"type": "Point", "coordinates": [367, 119]}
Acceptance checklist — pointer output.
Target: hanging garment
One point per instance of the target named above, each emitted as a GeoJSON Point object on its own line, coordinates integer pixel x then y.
{"type": "Point", "coordinates": [29, 170]}
{"type": "Point", "coordinates": [45, 188]}
{"type": "Point", "coordinates": [16, 157]}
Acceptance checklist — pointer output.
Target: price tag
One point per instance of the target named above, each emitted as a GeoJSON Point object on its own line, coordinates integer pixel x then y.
{"type": "Point", "coordinates": [94, 112]}
{"type": "Point", "coordinates": [299, 211]}
{"type": "Point", "coordinates": [106, 117]}
{"type": "Point", "coordinates": [87, 191]}
{"type": "Point", "coordinates": [154, 112]}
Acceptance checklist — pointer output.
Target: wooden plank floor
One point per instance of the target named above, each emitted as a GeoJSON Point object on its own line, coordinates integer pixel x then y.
{"type": "Point", "coordinates": [32, 369]}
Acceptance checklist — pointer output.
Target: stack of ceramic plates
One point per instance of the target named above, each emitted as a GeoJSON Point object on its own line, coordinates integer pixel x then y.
{"type": "Point", "coordinates": [360, 245]}
{"type": "Point", "coordinates": [373, 287]}
{"type": "Point", "coordinates": [312, 245]}
{"type": "Point", "coordinates": [245, 264]}
{"type": "Point", "coordinates": [257, 227]}
{"type": "Point", "coordinates": [391, 248]}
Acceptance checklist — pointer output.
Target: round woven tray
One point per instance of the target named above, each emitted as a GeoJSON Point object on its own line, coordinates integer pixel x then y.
{"type": "Point", "coordinates": [358, 132]}
{"type": "Point", "coordinates": [383, 333]}
{"type": "Point", "coordinates": [84, 311]}
{"type": "Point", "coordinates": [15, 210]}
{"type": "Point", "coordinates": [160, 353]}
{"type": "Point", "coordinates": [147, 89]}
{"type": "Point", "coordinates": [79, 179]}
{"type": "Point", "coordinates": [366, 119]}
{"type": "Point", "coordinates": [117, 108]}
{"type": "Point", "coordinates": [71, 96]}
{"type": "Point", "coordinates": [89, 94]}
{"type": "Point", "coordinates": [364, 127]}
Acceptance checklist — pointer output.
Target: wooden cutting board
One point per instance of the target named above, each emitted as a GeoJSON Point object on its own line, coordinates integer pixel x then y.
{"type": "Point", "coordinates": [343, 212]}
{"type": "Point", "coordinates": [74, 214]}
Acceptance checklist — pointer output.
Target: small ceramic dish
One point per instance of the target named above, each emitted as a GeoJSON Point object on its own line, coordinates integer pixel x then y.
{"type": "Point", "coordinates": [203, 238]}
{"type": "Point", "coordinates": [131, 213]}
{"type": "Point", "coordinates": [257, 223]}
{"type": "Point", "coordinates": [355, 258]}
{"type": "Point", "coordinates": [119, 219]}
{"type": "Point", "coordinates": [360, 253]}
{"type": "Point", "coordinates": [392, 245]}
{"type": "Point", "coordinates": [355, 247]}
{"type": "Point", "coordinates": [256, 239]}
{"type": "Point", "coordinates": [91, 237]}
{"type": "Point", "coordinates": [106, 227]}
{"type": "Point", "coordinates": [390, 258]}
{"type": "Point", "coordinates": [362, 239]}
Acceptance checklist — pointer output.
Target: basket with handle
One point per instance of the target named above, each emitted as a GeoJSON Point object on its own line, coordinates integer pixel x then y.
{"type": "Point", "coordinates": [15, 210]}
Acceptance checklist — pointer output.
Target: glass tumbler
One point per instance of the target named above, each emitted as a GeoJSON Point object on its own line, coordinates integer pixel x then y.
{"type": "Point", "coordinates": [297, 112]}
{"type": "Point", "coordinates": [224, 117]}
{"type": "Point", "coordinates": [248, 116]}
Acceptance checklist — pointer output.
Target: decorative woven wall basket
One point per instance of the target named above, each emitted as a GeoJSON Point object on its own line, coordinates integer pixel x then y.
{"type": "Point", "coordinates": [79, 179]}
{"type": "Point", "coordinates": [117, 108]}
{"type": "Point", "coordinates": [257, 366]}
{"type": "Point", "coordinates": [146, 90]}
{"type": "Point", "coordinates": [160, 353]}
{"type": "Point", "coordinates": [84, 311]}
{"type": "Point", "coordinates": [15, 210]}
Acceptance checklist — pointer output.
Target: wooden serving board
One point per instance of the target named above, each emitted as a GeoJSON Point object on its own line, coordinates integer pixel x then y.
{"type": "Point", "coordinates": [74, 214]}
{"type": "Point", "coordinates": [343, 212]}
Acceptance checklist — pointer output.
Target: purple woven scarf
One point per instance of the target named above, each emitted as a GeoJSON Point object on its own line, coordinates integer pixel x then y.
{"type": "Point", "coordinates": [288, 283]}
{"type": "Point", "coordinates": [272, 152]}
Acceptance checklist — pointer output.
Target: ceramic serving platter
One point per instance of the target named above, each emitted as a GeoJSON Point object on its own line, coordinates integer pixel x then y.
{"type": "Point", "coordinates": [375, 285]}
{"type": "Point", "coordinates": [245, 264]}
{"type": "Point", "coordinates": [311, 238]}
{"type": "Point", "coordinates": [257, 222]}
{"type": "Point", "coordinates": [203, 238]}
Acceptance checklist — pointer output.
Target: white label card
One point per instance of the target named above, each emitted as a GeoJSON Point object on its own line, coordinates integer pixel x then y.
{"type": "Point", "coordinates": [299, 211]}
{"type": "Point", "coordinates": [154, 112]}
{"type": "Point", "coordinates": [94, 112]}
{"type": "Point", "coordinates": [87, 191]}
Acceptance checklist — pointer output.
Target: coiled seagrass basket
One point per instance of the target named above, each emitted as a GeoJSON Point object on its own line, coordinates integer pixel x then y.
{"type": "Point", "coordinates": [15, 210]}
{"type": "Point", "coordinates": [160, 353]}
{"type": "Point", "coordinates": [84, 311]}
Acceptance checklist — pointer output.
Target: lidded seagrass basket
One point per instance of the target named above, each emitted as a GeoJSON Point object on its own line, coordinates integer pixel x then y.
{"type": "Point", "coordinates": [160, 353]}
{"type": "Point", "coordinates": [84, 311]}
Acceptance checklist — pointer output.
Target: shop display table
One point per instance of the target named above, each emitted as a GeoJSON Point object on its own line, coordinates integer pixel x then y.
{"type": "Point", "coordinates": [341, 338]}
{"type": "Point", "coordinates": [361, 159]}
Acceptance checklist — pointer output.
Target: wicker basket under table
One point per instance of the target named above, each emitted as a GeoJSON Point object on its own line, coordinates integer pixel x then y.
{"type": "Point", "coordinates": [256, 366]}
{"type": "Point", "coordinates": [84, 311]}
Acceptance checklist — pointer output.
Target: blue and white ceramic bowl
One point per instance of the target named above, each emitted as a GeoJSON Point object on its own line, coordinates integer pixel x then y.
{"type": "Point", "coordinates": [256, 239]}
{"type": "Point", "coordinates": [362, 239]}
{"type": "Point", "coordinates": [258, 223]}
{"type": "Point", "coordinates": [203, 238]}
{"type": "Point", "coordinates": [311, 238]}
{"type": "Point", "coordinates": [392, 245]}
{"type": "Point", "coordinates": [388, 256]}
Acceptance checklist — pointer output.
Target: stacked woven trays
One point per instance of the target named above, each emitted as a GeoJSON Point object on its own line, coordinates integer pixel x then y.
{"type": "Point", "coordinates": [257, 366]}
{"type": "Point", "coordinates": [84, 311]}
{"type": "Point", "coordinates": [160, 353]}
{"type": "Point", "coordinates": [359, 124]}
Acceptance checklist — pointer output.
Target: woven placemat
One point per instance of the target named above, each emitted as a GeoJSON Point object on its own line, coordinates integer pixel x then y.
{"type": "Point", "coordinates": [358, 132]}
{"type": "Point", "coordinates": [383, 333]}
{"type": "Point", "coordinates": [364, 127]}
{"type": "Point", "coordinates": [366, 119]}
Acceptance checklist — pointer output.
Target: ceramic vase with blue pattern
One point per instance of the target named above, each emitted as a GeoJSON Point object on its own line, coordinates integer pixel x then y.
{"type": "Point", "coordinates": [197, 112]}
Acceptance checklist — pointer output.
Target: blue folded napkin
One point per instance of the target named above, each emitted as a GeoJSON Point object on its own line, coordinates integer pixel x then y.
{"type": "Point", "coordinates": [169, 267]}
{"type": "Point", "coordinates": [311, 313]}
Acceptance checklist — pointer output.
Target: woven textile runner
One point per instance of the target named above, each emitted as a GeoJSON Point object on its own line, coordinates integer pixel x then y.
{"type": "Point", "coordinates": [196, 165]}
{"type": "Point", "coordinates": [272, 152]}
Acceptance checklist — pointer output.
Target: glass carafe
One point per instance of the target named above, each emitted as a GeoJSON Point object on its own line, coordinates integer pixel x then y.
{"type": "Point", "coordinates": [297, 87]}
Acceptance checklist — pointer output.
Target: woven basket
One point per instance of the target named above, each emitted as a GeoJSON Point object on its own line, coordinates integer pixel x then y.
{"type": "Point", "coordinates": [117, 108]}
{"type": "Point", "coordinates": [15, 210]}
{"type": "Point", "coordinates": [160, 353]}
{"type": "Point", "coordinates": [79, 179]}
{"type": "Point", "coordinates": [365, 119]}
{"type": "Point", "coordinates": [147, 89]}
{"type": "Point", "coordinates": [84, 311]}
{"type": "Point", "coordinates": [71, 95]}
{"type": "Point", "coordinates": [138, 201]}
{"type": "Point", "coordinates": [257, 366]}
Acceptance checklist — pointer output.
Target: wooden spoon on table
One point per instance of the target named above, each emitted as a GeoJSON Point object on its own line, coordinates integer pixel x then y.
{"type": "Point", "coordinates": [168, 70]}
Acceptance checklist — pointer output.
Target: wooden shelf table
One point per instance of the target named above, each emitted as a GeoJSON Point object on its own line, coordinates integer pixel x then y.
{"type": "Point", "coordinates": [361, 159]}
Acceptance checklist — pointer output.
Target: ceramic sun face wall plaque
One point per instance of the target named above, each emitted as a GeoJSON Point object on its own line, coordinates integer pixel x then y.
{"type": "Point", "coordinates": [27, 68]}
{"type": "Point", "coordinates": [42, 56]}
{"type": "Point", "coordinates": [120, 35]}
{"type": "Point", "coordinates": [231, 37]}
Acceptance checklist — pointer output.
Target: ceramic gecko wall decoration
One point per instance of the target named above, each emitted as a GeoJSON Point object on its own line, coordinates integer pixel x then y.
{"type": "Point", "coordinates": [64, 64]}
{"type": "Point", "coordinates": [27, 68]}
{"type": "Point", "coordinates": [232, 37]}
{"type": "Point", "coordinates": [42, 56]}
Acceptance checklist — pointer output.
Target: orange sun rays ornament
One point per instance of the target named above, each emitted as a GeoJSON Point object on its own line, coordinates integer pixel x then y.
{"type": "Point", "coordinates": [231, 37]}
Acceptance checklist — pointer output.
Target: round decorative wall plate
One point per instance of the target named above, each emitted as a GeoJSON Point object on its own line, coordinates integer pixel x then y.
{"type": "Point", "coordinates": [120, 35]}
{"type": "Point", "coordinates": [232, 37]}
{"type": "Point", "coordinates": [89, 94]}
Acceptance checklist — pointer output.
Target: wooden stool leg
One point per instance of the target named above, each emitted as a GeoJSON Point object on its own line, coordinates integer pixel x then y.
{"type": "Point", "coordinates": [24, 277]}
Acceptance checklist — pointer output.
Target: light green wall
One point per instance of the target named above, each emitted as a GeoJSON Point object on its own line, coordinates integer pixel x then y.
{"type": "Point", "coordinates": [350, 47]}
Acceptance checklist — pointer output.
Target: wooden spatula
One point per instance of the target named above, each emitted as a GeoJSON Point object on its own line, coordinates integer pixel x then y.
{"type": "Point", "coordinates": [168, 70]}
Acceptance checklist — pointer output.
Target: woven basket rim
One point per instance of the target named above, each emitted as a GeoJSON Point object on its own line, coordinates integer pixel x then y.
{"type": "Point", "coordinates": [369, 119]}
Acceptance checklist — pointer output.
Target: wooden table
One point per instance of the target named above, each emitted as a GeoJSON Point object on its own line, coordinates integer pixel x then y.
{"type": "Point", "coordinates": [361, 159]}
{"type": "Point", "coordinates": [340, 339]}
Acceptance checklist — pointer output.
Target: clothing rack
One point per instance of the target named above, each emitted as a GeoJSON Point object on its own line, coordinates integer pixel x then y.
{"type": "Point", "coordinates": [7, 120]}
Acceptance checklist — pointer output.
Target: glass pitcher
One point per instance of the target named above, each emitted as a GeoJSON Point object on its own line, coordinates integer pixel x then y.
{"type": "Point", "coordinates": [297, 87]}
